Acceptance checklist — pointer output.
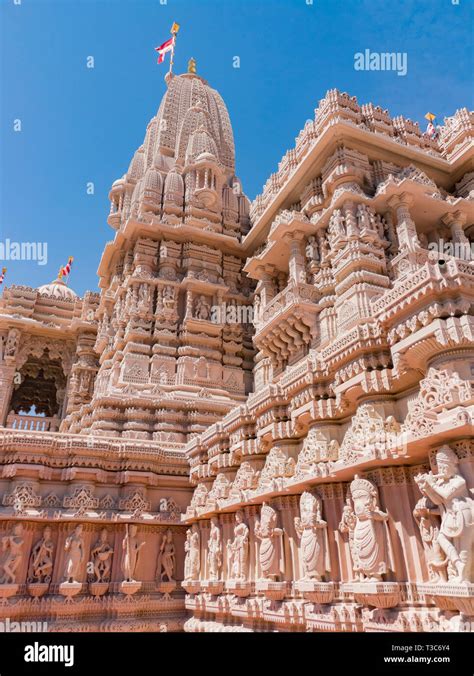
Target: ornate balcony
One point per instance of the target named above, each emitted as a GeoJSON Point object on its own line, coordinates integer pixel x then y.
{"type": "Point", "coordinates": [35, 423]}
{"type": "Point", "coordinates": [287, 326]}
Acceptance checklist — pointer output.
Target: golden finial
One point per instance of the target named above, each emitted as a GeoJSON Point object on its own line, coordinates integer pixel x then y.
{"type": "Point", "coordinates": [192, 66]}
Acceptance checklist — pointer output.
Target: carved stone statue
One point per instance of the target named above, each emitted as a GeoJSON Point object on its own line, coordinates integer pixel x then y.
{"type": "Point", "coordinates": [312, 532]}
{"type": "Point", "coordinates": [74, 548]}
{"type": "Point", "coordinates": [363, 217]}
{"type": "Point", "coordinates": [347, 525]}
{"type": "Point", "coordinates": [427, 515]}
{"type": "Point", "coordinates": [144, 296]}
{"type": "Point", "coordinates": [168, 297]}
{"type": "Point", "coordinates": [202, 309]}
{"type": "Point", "coordinates": [166, 558]}
{"type": "Point", "coordinates": [312, 249]}
{"type": "Point", "coordinates": [12, 342]}
{"type": "Point", "coordinates": [269, 536]}
{"type": "Point", "coordinates": [336, 224]}
{"type": "Point", "coordinates": [192, 564]}
{"type": "Point", "coordinates": [101, 554]}
{"type": "Point", "coordinates": [238, 549]}
{"type": "Point", "coordinates": [214, 549]}
{"type": "Point", "coordinates": [12, 547]}
{"type": "Point", "coordinates": [41, 566]}
{"type": "Point", "coordinates": [131, 549]}
{"type": "Point", "coordinates": [371, 538]}
{"type": "Point", "coordinates": [448, 489]}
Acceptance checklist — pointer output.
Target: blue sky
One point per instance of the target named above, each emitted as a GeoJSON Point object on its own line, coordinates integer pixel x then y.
{"type": "Point", "coordinates": [82, 125]}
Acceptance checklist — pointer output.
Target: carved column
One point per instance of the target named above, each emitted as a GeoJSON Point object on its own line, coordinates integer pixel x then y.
{"type": "Point", "coordinates": [267, 285]}
{"type": "Point", "coordinates": [455, 222]}
{"type": "Point", "coordinates": [7, 376]}
{"type": "Point", "coordinates": [406, 228]}
{"type": "Point", "coordinates": [297, 257]}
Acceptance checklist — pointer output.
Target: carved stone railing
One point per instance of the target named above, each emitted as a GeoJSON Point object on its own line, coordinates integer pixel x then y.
{"type": "Point", "coordinates": [35, 423]}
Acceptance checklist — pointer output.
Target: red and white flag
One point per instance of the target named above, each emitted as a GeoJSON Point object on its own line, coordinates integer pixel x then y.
{"type": "Point", "coordinates": [164, 48]}
{"type": "Point", "coordinates": [64, 271]}
{"type": "Point", "coordinates": [2, 275]}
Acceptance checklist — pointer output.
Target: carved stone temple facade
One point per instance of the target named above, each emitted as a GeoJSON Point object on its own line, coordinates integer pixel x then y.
{"type": "Point", "coordinates": [264, 421]}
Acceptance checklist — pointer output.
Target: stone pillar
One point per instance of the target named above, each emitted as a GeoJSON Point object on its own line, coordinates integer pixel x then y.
{"type": "Point", "coordinates": [455, 222]}
{"type": "Point", "coordinates": [297, 256]}
{"type": "Point", "coordinates": [267, 285]}
{"type": "Point", "coordinates": [189, 304]}
{"type": "Point", "coordinates": [7, 377]}
{"type": "Point", "coordinates": [251, 515]}
{"type": "Point", "coordinates": [406, 228]}
{"type": "Point", "coordinates": [287, 507]}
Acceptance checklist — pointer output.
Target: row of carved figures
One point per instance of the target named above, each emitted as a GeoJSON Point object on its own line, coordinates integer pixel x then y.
{"type": "Point", "coordinates": [41, 562]}
{"type": "Point", "coordinates": [448, 542]}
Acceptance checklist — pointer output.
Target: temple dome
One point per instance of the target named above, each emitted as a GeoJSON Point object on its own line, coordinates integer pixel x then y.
{"type": "Point", "coordinates": [190, 105]}
{"type": "Point", "coordinates": [189, 142]}
{"type": "Point", "coordinates": [137, 165]}
{"type": "Point", "coordinates": [201, 146]}
{"type": "Point", "coordinates": [174, 185]}
{"type": "Point", "coordinates": [57, 289]}
{"type": "Point", "coordinates": [118, 184]}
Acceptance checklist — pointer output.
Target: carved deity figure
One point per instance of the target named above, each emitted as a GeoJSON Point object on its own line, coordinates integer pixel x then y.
{"type": "Point", "coordinates": [101, 554]}
{"type": "Point", "coordinates": [214, 549]}
{"type": "Point", "coordinates": [131, 300]}
{"type": "Point", "coordinates": [347, 525]}
{"type": "Point", "coordinates": [12, 342]}
{"type": "Point", "coordinates": [269, 536]}
{"type": "Point", "coordinates": [74, 548]}
{"type": "Point", "coordinates": [448, 489]}
{"type": "Point", "coordinates": [312, 249]}
{"type": "Point", "coordinates": [192, 563]}
{"type": "Point", "coordinates": [238, 549]}
{"type": "Point", "coordinates": [131, 548]}
{"type": "Point", "coordinates": [363, 217]}
{"type": "Point", "coordinates": [12, 548]}
{"type": "Point", "coordinates": [371, 538]}
{"type": "Point", "coordinates": [427, 515]}
{"type": "Point", "coordinates": [256, 308]}
{"type": "Point", "coordinates": [166, 558]}
{"type": "Point", "coordinates": [323, 246]}
{"type": "Point", "coordinates": [85, 382]}
{"type": "Point", "coordinates": [144, 296]}
{"type": "Point", "coordinates": [41, 566]}
{"type": "Point", "coordinates": [202, 308]}
{"type": "Point", "coordinates": [311, 530]}
{"type": "Point", "coordinates": [336, 224]}
{"type": "Point", "coordinates": [168, 297]}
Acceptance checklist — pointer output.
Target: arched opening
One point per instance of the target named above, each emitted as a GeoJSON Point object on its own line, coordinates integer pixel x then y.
{"type": "Point", "coordinates": [37, 398]}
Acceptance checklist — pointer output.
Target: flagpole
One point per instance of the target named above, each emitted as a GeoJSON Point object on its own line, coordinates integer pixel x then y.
{"type": "Point", "coordinates": [173, 33]}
